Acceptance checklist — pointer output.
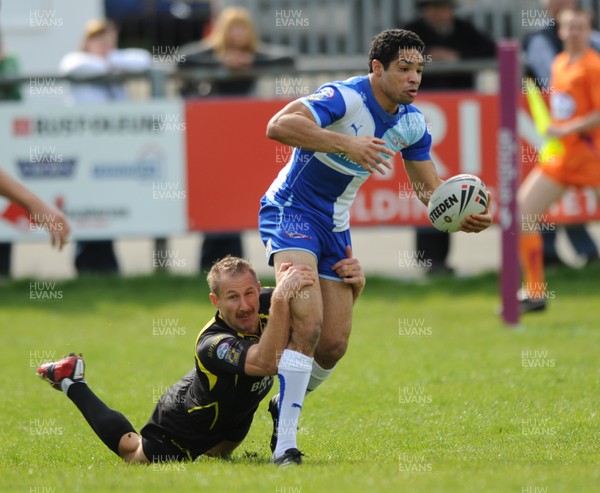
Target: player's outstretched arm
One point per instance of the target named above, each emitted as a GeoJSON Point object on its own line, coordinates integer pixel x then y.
{"type": "Point", "coordinates": [350, 271]}
{"type": "Point", "coordinates": [296, 126]}
{"type": "Point", "coordinates": [423, 178]}
{"type": "Point", "coordinates": [261, 359]}
{"type": "Point", "coordinates": [40, 212]}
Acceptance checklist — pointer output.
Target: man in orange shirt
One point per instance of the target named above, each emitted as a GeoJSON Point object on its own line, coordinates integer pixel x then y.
{"type": "Point", "coordinates": [575, 108]}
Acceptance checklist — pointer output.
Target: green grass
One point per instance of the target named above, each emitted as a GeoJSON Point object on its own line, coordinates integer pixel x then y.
{"type": "Point", "coordinates": [484, 423]}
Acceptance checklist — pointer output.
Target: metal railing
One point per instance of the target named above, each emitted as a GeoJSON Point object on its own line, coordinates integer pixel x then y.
{"type": "Point", "coordinates": [305, 77]}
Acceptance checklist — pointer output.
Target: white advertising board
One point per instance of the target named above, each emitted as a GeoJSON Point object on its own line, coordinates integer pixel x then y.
{"type": "Point", "coordinates": [116, 170]}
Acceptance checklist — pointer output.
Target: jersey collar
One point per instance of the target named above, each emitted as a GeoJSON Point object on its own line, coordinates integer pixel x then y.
{"type": "Point", "coordinates": [374, 104]}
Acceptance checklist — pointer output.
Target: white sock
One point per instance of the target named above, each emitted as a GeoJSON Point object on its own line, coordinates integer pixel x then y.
{"type": "Point", "coordinates": [294, 372]}
{"type": "Point", "coordinates": [317, 376]}
{"type": "Point", "coordinates": [65, 383]}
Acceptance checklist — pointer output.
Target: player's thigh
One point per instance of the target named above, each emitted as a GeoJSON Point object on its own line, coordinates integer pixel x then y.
{"type": "Point", "coordinates": [309, 305]}
{"type": "Point", "coordinates": [337, 321]}
{"type": "Point", "coordinates": [537, 193]}
{"type": "Point", "coordinates": [294, 257]}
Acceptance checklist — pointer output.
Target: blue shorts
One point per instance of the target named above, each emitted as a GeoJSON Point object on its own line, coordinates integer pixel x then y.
{"type": "Point", "coordinates": [289, 228]}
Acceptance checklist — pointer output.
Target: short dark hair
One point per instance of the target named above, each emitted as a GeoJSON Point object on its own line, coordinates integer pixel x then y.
{"type": "Point", "coordinates": [227, 266]}
{"type": "Point", "coordinates": [386, 46]}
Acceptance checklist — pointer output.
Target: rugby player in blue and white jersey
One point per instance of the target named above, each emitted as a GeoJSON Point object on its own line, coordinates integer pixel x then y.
{"type": "Point", "coordinates": [341, 134]}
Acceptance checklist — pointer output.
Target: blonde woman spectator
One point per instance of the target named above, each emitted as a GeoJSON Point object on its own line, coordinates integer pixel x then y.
{"type": "Point", "coordinates": [99, 56]}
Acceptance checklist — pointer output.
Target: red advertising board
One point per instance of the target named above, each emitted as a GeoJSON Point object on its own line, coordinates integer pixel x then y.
{"type": "Point", "coordinates": [231, 162]}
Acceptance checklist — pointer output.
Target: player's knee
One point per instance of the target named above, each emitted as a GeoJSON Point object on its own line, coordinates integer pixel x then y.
{"type": "Point", "coordinates": [130, 448]}
{"type": "Point", "coordinates": [306, 332]}
{"type": "Point", "coordinates": [330, 352]}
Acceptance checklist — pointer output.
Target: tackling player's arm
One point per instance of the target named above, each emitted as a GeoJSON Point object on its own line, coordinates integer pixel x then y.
{"type": "Point", "coordinates": [350, 271]}
{"type": "Point", "coordinates": [296, 126]}
{"type": "Point", "coordinates": [262, 357]}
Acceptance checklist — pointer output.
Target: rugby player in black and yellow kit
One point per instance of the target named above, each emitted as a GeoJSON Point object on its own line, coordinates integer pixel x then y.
{"type": "Point", "coordinates": [209, 411]}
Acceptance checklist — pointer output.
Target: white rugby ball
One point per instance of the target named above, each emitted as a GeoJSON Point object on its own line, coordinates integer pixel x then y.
{"type": "Point", "coordinates": [456, 198]}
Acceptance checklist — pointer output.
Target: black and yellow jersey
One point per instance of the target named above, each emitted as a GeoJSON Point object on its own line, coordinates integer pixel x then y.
{"type": "Point", "coordinates": [216, 400]}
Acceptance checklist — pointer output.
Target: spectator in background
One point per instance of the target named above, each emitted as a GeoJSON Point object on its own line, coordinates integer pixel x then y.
{"type": "Point", "coordinates": [575, 110]}
{"type": "Point", "coordinates": [99, 56]}
{"type": "Point", "coordinates": [234, 43]}
{"type": "Point", "coordinates": [448, 39]}
{"type": "Point", "coordinates": [541, 47]}
{"type": "Point", "coordinates": [9, 67]}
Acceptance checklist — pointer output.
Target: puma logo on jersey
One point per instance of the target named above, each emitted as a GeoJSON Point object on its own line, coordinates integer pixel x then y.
{"type": "Point", "coordinates": [355, 128]}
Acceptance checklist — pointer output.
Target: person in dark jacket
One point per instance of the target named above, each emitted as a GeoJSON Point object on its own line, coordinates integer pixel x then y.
{"type": "Point", "coordinates": [448, 39]}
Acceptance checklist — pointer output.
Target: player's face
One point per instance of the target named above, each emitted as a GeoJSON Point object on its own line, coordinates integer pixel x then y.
{"type": "Point", "coordinates": [400, 81]}
{"type": "Point", "coordinates": [574, 30]}
{"type": "Point", "coordinates": [237, 301]}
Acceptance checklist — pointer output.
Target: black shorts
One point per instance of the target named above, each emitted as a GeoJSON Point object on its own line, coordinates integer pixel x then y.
{"type": "Point", "coordinates": [159, 447]}
{"type": "Point", "coordinates": [157, 450]}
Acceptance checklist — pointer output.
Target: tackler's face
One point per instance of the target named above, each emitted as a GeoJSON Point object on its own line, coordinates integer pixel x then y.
{"type": "Point", "coordinates": [238, 302]}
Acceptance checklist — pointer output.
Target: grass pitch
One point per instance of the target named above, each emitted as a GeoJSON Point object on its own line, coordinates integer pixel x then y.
{"type": "Point", "coordinates": [434, 393]}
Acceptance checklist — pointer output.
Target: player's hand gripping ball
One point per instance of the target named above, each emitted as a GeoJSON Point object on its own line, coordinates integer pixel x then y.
{"type": "Point", "coordinates": [456, 198]}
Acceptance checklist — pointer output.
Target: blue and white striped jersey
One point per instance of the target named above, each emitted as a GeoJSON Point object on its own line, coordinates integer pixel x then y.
{"type": "Point", "coordinates": [325, 184]}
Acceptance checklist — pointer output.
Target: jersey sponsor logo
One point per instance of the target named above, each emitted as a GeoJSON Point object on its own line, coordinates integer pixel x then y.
{"type": "Point", "coordinates": [398, 142]}
{"type": "Point", "coordinates": [295, 235]}
{"type": "Point", "coordinates": [326, 92]}
{"type": "Point", "coordinates": [233, 356]}
{"type": "Point", "coordinates": [222, 350]}
{"type": "Point", "coordinates": [228, 353]}
{"type": "Point", "coordinates": [262, 385]}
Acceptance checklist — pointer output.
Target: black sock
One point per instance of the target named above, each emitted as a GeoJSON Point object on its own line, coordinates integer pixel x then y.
{"type": "Point", "coordinates": [109, 425]}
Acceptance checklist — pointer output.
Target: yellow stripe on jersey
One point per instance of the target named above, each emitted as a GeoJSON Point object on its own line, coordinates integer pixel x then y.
{"type": "Point", "coordinates": [207, 406]}
{"type": "Point", "coordinates": [212, 378]}
{"type": "Point", "coordinates": [210, 322]}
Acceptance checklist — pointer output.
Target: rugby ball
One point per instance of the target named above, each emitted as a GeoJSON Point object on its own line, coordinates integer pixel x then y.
{"type": "Point", "coordinates": [456, 198]}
